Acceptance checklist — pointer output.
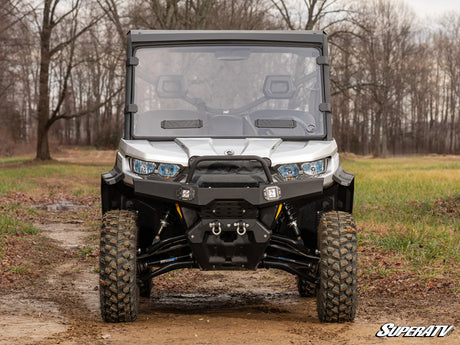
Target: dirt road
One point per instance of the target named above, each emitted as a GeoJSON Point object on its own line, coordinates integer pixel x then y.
{"type": "Point", "coordinates": [61, 306]}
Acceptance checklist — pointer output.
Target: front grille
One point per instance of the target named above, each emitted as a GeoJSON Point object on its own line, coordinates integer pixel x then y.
{"type": "Point", "coordinates": [229, 209]}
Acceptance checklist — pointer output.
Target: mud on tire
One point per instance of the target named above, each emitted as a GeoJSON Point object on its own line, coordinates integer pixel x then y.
{"type": "Point", "coordinates": [117, 265]}
{"type": "Point", "coordinates": [337, 292]}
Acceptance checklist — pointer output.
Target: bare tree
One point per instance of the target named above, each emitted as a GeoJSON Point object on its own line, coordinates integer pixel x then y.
{"type": "Point", "coordinates": [395, 87]}
{"type": "Point", "coordinates": [448, 47]}
{"type": "Point", "coordinates": [15, 68]}
{"type": "Point", "coordinates": [374, 54]}
{"type": "Point", "coordinates": [51, 18]}
{"type": "Point", "coordinates": [310, 14]}
{"type": "Point", "coordinates": [201, 14]}
{"type": "Point", "coordinates": [112, 10]}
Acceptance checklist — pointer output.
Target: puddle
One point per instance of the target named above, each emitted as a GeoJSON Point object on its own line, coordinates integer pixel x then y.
{"type": "Point", "coordinates": [192, 303]}
{"type": "Point", "coordinates": [62, 205]}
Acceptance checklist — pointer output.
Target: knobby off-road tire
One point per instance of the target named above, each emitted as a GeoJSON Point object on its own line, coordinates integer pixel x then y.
{"type": "Point", "coordinates": [337, 291]}
{"type": "Point", "coordinates": [119, 293]}
{"type": "Point", "coordinates": [307, 288]}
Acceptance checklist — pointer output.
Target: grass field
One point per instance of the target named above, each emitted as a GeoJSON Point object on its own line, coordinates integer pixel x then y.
{"type": "Point", "coordinates": [410, 205]}
{"type": "Point", "coordinates": [407, 211]}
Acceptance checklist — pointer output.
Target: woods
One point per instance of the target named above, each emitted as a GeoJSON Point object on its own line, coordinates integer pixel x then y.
{"type": "Point", "coordinates": [395, 79]}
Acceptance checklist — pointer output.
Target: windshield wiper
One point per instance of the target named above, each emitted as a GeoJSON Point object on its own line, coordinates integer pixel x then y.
{"type": "Point", "coordinates": [273, 123]}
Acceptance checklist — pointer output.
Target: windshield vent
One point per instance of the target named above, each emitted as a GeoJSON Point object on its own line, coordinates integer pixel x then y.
{"type": "Point", "coordinates": [178, 124]}
{"type": "Point", "coordinates": [271, 123]}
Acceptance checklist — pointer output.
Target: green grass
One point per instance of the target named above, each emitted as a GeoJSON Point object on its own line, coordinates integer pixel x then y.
{"type": "Point", "coordinates": [24, 269]}
{"type": "Point", "coordinates": [78, 192]}
{"type": "Point", "coordinates": [11, 223]}
{"type": "Point", "coordinates": [85, 252]}
{"type": "Point", "coordinates": [31, 176]}
{"type": "Point", "coordinates": [15, 159]}
{"type": "Point", "coordinates": [410, 206]}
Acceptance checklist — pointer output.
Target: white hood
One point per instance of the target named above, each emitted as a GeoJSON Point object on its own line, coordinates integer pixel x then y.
{"type": "Point", "coordinates": [181, 149]}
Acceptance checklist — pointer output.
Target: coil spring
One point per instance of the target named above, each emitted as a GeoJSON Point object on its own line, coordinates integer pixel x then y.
{"type": "Point", "coordinates": [292, 219]}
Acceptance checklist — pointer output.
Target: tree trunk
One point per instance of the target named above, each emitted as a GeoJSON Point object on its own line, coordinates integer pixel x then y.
{"type": "Point", "coordinates": [43, 109]}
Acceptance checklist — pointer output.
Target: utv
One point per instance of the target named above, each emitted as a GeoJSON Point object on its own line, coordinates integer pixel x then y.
{"type": "Point", "coordinates": [228, 163]}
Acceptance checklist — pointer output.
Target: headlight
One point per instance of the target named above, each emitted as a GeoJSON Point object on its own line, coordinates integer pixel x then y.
{"type": "Point", "coordinates": [289, 171]}
{"type": "Point", "coordinates": [168, 170]}
{"type": "Point", "coordinates": [314, 168]}
{"type": "Point", "coordinates": [143, 167]}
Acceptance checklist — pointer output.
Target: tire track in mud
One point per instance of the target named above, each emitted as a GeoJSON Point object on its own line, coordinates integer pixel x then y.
{"type": "Point", "coordinates": [74, 287]}
{"type": "Point", "coordinates": [62, 304]}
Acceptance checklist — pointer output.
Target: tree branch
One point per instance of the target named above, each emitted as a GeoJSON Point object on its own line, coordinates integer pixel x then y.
{"type": "Point", "coordinates": [87, 111]}
{"type": "Point", "coordinates": [283, 10]}
{"type": "Point", "coordinates": [61, 18]}
{"type": "Point", "coordinates": [74, 37]}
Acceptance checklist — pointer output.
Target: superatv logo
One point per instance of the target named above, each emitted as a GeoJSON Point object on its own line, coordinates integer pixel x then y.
{"type": "Point", "coordinates": [390, 330]}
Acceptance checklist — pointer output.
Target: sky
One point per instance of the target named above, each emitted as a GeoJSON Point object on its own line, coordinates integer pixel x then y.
{"type": "Point", "coordinates": [433, 7]}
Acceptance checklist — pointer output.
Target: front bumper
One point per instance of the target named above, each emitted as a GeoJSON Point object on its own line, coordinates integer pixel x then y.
{"type": "Point", "coordinates": [172, 191]}
{"type": "Point", "coordinates": [112, 190]}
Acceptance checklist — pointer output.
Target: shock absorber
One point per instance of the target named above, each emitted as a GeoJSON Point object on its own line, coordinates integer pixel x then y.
{"type": "Point", "coordinates": [292, 221]}
{"type": "Point", "coordinates": [163, 224]}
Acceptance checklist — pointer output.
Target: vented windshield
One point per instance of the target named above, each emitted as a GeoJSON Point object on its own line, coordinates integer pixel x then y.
{"type": "Point", "coordinates": [227, 91]}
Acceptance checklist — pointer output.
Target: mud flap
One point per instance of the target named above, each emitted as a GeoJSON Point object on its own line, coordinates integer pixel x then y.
{"type": "Point", "coordinates": [110, 195]}
{"type": "Point", "coordinates": [346, 182]}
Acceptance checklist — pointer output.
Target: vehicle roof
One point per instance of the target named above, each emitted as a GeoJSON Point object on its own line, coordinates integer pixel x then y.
{"type": "Point", "coordinates": [304, 36]}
